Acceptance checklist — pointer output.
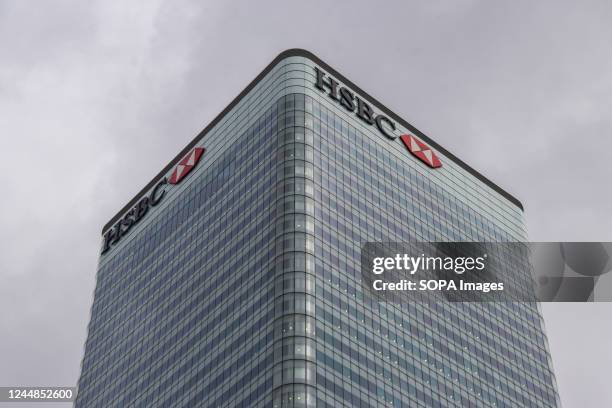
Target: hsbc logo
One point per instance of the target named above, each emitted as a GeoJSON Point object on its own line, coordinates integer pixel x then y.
{"type": "Point", "coordinates": [353, 103]}
{"type": "Point", "coordinates": [138, 212]}
{"type": "Point", "coordinates": [186, 165]}
{"type": "Point", "coordinates": [421, 151]}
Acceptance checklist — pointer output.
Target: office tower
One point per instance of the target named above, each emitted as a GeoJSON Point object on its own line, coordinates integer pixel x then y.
{"type": "Point", "coordinates": [232, 278]}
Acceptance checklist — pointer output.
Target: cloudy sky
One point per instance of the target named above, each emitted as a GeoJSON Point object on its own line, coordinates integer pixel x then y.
{"type": "Point", "coordinates": [96, 97]}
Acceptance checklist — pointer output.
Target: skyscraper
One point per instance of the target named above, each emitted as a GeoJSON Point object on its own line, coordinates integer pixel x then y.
{"type": "Point", "coordinates": [232, 278]}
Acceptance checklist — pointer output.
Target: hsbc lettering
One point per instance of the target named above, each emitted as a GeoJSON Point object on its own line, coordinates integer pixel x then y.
{"type": "Point", "coordinates": [136, 213]}
{"type": "Point", "coordinates": [364, 111]}
{"type": "Point", "coordinates": [353, 103]}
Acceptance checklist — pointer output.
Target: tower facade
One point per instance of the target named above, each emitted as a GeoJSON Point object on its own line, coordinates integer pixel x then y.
{"type": "Point", "coordinates": [233, 277]}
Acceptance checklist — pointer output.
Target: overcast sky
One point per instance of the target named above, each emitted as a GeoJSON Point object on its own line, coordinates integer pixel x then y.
{"type": "Point", "coordinates": [97, 96]}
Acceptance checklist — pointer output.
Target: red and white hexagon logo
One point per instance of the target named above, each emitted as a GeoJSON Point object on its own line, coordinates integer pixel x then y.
{"type": "Point", "coordinates": [421, 150]}
{"type": "Point", "coordinates": [186, 164]}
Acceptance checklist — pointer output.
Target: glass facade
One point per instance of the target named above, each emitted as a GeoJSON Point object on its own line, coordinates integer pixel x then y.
{"type": "Point", "coordinates": [242, 287]}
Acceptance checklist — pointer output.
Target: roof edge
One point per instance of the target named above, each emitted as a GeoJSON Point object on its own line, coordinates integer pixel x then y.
{"type": "Point", "coordinates": [298, 52]}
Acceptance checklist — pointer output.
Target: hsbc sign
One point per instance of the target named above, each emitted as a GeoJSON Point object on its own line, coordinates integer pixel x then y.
{"type": "Point", "coordinates": [138, 212]}
{"type": "Point", "coordinates": [353, 103]}
{"type": "Point", "coordinates": [421, 151]}
{"type": "Point", "coordinates": [186, 165]}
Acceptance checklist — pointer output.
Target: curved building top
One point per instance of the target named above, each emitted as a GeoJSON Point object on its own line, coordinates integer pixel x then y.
{"type": "Point", "coordinates": [345, 93]}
